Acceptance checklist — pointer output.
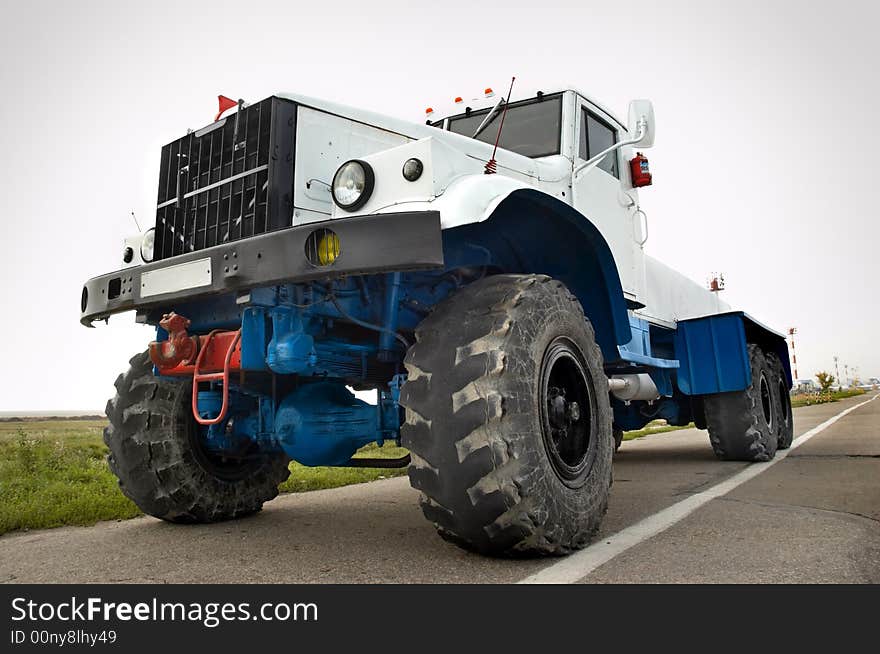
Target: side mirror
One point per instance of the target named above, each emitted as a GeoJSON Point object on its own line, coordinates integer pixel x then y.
{"type": "Point", "coordinates": [641, 117]}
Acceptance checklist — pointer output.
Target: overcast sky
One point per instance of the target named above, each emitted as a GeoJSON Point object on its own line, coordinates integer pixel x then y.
{"type": "Point", "coordinates": [764, 167]}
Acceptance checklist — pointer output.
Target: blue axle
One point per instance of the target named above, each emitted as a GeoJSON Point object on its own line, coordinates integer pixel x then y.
{"type": "Point", "coordinates": [322, 423]}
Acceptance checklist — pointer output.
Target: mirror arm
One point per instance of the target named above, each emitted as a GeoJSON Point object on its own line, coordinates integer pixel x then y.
{"type": "Point", "coordinates": [642, 125]}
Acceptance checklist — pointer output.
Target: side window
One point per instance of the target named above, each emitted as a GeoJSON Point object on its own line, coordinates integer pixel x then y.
{"type": "Point", "coordinates": [596, 136]}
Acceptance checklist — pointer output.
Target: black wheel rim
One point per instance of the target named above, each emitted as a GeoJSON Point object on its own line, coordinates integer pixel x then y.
{"type": "Point", "coordinates": [226, 466]}
{"type": "Point", "coordinates": [766, 401]}
{"type": "Point", "coordinates": [568, 409]}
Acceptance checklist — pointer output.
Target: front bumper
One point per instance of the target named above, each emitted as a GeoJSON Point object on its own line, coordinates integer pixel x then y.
{"type": "Point", "coordinates": [368, 245]}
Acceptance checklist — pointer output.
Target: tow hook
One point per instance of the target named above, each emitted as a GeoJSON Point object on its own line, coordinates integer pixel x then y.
{"type": "Point", "coordinates": [180, 346]}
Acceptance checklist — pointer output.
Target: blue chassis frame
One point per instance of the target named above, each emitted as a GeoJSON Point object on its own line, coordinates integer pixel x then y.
{"type": "Point", "coordinates": [318, 337]}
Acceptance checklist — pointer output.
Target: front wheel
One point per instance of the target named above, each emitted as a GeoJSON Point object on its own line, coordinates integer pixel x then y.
{"type": "Point", "coordinates": [508, 418]}
{"type": "Point", "coordinates": [157, 455]}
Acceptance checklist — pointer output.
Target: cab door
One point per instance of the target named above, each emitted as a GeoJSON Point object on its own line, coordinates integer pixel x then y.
{"type": "Point", "coordinates": [603, 192]}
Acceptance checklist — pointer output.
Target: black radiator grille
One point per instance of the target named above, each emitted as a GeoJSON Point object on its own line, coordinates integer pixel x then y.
{"type": "Point", "coordinates": [228, 181]}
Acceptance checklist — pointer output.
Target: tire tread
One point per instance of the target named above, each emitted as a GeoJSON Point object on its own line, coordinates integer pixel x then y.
{"type": "Point", "coordinates": [150, 455]}
{"type": "Point", "coordinates": [466, 425]}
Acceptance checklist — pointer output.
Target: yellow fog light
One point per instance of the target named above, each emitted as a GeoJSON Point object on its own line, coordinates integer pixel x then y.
{"type": "Point", "coordinates": [328, 249]}
{"type": "Point", "coordinates": [322, 247]}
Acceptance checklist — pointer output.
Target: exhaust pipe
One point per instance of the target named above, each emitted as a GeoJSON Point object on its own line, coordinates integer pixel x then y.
{"type": "Point", "coordinates": [633, 387]}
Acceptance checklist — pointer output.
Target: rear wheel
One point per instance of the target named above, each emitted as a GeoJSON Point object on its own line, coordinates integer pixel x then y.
{"type": "Point", "coordinates": [157, 454]}
{"type": "Point", "coordinates": [782, 398]}
{"type": "Point", "coordinates": [508, 418]}
{"type": "Point", "coordinates": [618, 438]}
{"type": "Point", "coordinates": [742, 423]}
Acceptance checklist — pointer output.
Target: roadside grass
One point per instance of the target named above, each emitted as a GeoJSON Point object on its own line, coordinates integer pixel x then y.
{"type": "Point", "coordinates": [54, 473]}
{"type": "Point", "coordinates": [654, 427]}
{"type": "Point", "coordinates": [809, 399]}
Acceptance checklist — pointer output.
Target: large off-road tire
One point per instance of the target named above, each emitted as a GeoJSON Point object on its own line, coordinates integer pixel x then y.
{"type": "Point", "coordinates": [782, 402]}
{"type": "Point", "coordinates": [618, 438]}
{"type": "Point", "coordinates": [741, 423]}
{"type": "Point", "coordinates": [506, 464]}
{"type": "Point", "coordinates": [156, 454]}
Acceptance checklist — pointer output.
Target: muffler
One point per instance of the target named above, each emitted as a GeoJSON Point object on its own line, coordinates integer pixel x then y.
{"type": "Point", "coordinates": [633, 387]}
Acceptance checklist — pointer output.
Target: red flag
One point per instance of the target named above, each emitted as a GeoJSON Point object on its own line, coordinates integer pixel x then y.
{"type": "Point", "coordinates": [225, 103]}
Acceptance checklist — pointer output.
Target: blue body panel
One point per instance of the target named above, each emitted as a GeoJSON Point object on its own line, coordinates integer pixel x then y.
{"type": "Point", "coordinates": [640, 344]}
{"type": "Point", "coordinates": [712, 354]}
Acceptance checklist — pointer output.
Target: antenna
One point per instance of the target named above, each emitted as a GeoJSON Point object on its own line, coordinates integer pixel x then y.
{"type": "Point", "coordinates": [135, 221]}
{"type": "Point", "coordinates": [492, 165]}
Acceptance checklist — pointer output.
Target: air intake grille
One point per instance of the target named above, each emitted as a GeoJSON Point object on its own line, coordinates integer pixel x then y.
{"type": "Point", "coordinates": [228, 181]}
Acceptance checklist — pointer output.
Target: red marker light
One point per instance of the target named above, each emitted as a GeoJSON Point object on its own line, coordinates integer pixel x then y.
{"type": "Point", "coordinates": [225, 104]}
{"type": "Point", "coordinates": [458, 100]}
{"type": "Point", "coordinates": [489, 92]}
{"type": "Point", "coordinates": [429, 111]}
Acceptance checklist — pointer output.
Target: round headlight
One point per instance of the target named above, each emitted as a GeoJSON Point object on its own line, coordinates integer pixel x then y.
{"type": "Point", "coordinates": [147, 244]}
{"type": "Point", "coordinates": [412, 169]}
{"type": "Point", "coordinates": [353, 184]}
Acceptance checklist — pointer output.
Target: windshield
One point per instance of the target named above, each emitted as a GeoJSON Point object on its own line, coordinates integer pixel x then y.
{"type": "Point", "coordinates": [531, 128]}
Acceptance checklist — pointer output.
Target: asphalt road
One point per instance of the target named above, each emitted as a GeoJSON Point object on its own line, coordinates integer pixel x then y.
{"type": "Point", "coordinates": [812, 517]}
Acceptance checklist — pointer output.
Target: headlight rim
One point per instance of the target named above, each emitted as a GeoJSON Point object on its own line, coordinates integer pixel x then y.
{"type": "Point", "coordinates": [369, 184]}
{"type": "Point", "coordinates": [152, 256]}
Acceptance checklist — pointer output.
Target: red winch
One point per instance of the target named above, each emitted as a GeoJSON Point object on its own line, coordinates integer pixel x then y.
{"type": "Point", "coordinates": [180, 346]}
{"type": "Point", "coordinates": [206, 358]}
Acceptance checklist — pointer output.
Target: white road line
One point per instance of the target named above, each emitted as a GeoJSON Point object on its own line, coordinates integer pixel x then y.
{"type": "Point", "coordinates": [579, 565]}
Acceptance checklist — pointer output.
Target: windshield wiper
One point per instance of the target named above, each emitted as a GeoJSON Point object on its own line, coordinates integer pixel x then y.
{"type": "Point", "coordinates": [488, 118]}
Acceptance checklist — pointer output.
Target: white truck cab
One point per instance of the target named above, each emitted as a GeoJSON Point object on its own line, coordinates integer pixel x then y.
{"type": "Point", "coordinates": [561, 143]}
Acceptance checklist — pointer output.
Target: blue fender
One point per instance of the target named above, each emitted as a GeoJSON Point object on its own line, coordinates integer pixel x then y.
{"type": "Point", "coordinates": [713, 354]}
{"type": "Point", "coordinates": [770, 341]}
{"type": "Point", "coordinates": [532, 232]}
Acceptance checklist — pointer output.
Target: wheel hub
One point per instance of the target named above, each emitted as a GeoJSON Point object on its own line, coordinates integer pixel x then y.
{"type": "Point", "coordinates": [562, 414]}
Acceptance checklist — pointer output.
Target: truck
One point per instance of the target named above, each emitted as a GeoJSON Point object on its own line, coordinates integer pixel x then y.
{"type": "Point", "coordinates": [482, 275]}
